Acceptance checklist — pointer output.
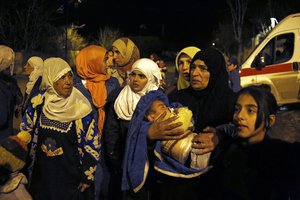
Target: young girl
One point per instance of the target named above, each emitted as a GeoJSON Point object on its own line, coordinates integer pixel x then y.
{"type": "Point", "coordinates": [252, 165]}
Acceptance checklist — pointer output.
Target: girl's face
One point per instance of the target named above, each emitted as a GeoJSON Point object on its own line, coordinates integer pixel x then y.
{"type": "Point", "coordinates": [137, 80]}
{"type": "Point", "coordinates": [184, 62]}
{"type": "Point", "coordinates": [199, 75]}
{"type": "Point", "coordinates": [245, 115]}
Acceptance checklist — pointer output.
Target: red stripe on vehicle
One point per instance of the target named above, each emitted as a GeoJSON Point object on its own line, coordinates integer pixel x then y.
{"type": "Point", "coordinates": [267, 70]}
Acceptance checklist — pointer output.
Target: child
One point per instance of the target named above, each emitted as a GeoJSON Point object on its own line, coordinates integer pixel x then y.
{"type": "Point", "coordinates": [13, 153]}
{"type": "Point", "coordinates": [181, 149]}
{"type": "Point", "coordinates": [252, 165]}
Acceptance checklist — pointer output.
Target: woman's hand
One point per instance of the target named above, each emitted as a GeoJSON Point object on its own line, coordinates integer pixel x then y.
{"type": "Point", "coordinates": [164, 129]}
{"type": "Point", "coordinates": [205, 142]}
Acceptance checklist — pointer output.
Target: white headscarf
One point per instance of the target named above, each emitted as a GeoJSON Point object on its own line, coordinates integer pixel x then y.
{"type": "Point", "coordinates": [58, 108]}
{"type": "Point", "coordinates": [127, 100]}
{"type": "Point", "coordinates": [37, 64]}
{"type": "Point", "coordinates": [7, 58]}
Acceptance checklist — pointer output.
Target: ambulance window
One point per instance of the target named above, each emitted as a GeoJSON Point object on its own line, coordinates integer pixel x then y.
{"type": "Point", "coordinates": [266, 55]}
{"type": "Point", "coordinates": [284, 47]}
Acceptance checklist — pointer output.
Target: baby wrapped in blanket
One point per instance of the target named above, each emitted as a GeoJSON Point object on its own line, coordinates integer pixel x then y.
{"type": "Point", "coordinates": [180, 150]}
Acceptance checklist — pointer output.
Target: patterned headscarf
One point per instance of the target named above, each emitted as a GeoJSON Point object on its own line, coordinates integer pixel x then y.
{"type": "Point", "coordinates": [189, 51]}
{"type": "Point", "coordinates": [37, 63]}
{"type": "Point", "coordinates": [89, 62]}
{"type": "Point", "coordinates": [127, 100]}
{"type": "Point", "coordinates": [129, 51]}
{"type": "Point", "coordinates": [58, 108]}
{"type": "Point", "coordinates": [7, 57]}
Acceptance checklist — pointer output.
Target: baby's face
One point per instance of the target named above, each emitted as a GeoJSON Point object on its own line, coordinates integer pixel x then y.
{"type": "Point", "coordinates": [157, 108]}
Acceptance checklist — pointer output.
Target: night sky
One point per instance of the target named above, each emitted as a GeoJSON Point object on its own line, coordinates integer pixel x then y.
{"type": "Point", "coordinates": [188, 23]}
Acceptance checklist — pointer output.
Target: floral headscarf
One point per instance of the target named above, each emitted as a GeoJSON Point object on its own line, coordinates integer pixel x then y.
{"type": "Point", "coordinates": [129, 51]}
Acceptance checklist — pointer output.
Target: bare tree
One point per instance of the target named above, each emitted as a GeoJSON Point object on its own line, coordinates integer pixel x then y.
{"type": "Point", "coordinates": [22, 23]}
{"type": "Point", "coordinates": [238, 10]}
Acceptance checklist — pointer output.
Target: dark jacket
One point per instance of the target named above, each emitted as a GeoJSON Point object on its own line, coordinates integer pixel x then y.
{"type": "Point", "coordinates": [266, 170]}
{"type": "Point", "coordinates": [10, 97]}
{"type": "Point", "coordinates": [114, 135]}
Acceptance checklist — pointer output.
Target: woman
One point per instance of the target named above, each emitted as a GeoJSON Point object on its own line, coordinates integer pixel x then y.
{"type": "Point", "coordinates": [33, 67]}
{"type": "Point", "coordinates": [252, 165]}
{"type": "Point", "coordinates": [212, 104]}
{"type": "Point", "coordinates": [10, 93]}
{"type": "Point", "coordinates": [182, 64]}
{"type": "Point", "coordinates": [145, 76]}
{"type": "Point", "coordinates": [125, 54]}
{"type": "Point", "coordinates": [65, 145]}
{"type": "Point", "coordinates": [96, 85]}
{"type": "Point", "coordinates": [91, 67]}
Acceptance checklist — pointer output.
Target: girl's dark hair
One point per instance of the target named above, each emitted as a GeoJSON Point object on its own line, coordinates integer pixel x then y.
{"type": "Point", "coordinates": [266, 102]}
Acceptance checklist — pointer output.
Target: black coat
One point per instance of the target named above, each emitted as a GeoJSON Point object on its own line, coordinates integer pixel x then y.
{"type": "Point", "coordinates": [266, 170]}
{"type": "Point", "coordinates": [10, 97]}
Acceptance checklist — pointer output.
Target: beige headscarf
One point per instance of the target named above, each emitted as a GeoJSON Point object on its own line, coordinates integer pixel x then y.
{"type": "Point", "coordinates": [37, 63]}
{"type": "Point", "coordinates": [129, 51]}
{"type": "Point", "coordinates": [127, 100]}
{"type": "Point", "coordinates": [189, 51]}
{"type": "Point", "coordinates": [58, 108]}
{"type": "Point", "coordinates": [7, 57]}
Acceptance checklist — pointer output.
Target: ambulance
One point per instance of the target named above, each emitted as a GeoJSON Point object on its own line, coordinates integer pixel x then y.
{"type": "Point", "coordinates": [276, 61]}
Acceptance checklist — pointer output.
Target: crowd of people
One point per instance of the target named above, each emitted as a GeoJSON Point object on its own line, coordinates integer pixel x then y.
{"type": "Point", "coordinates": [108, 129]}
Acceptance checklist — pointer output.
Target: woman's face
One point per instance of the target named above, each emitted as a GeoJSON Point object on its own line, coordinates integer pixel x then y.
{"type": "Point", "coordinates": [64, 85]}
{"type": "Point", "coordinates": [117, 56]}
{"type": "Point", "coordinates": [137, 80]}
{"type": "Point", "coordinates": [245, 115]}
{"type": "Point", "coordinates": [109, 59]}
{"type": "Point", "coordinates": [199, 77]}
{"type": "Point", "coordinates": [184, 62]}
{"type": "Point", "coordinates": [28, 69]}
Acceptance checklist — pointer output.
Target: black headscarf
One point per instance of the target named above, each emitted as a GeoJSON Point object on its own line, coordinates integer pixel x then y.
{"type": "Point", "coordinates": [213, 105]}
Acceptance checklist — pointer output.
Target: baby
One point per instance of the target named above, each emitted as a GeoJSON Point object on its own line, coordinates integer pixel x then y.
{"type": "Point", "coordinates": [180, 150]}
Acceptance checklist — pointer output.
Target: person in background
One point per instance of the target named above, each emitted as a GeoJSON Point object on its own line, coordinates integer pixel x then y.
{"type": "Point", "coordinates": [163, 67]}
{"type": "Point", "coordinates": [65, 145]}
{"type": "Point", "coordinates": [33, 68]}
{"type": "Point", "coordinates": [125, 53]}
{"type": "Point", "coordinates": [234, 79]}
{"type": "Point", "coordinates": [182, 64]}
{"type": "Point", "coordinates": [10, 94]}
{"type": "Point", "coordinates": [253, 165]}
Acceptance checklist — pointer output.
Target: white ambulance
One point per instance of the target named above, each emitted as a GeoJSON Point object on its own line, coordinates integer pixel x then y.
{"type": "Point", "coordinates": [276, 61]}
